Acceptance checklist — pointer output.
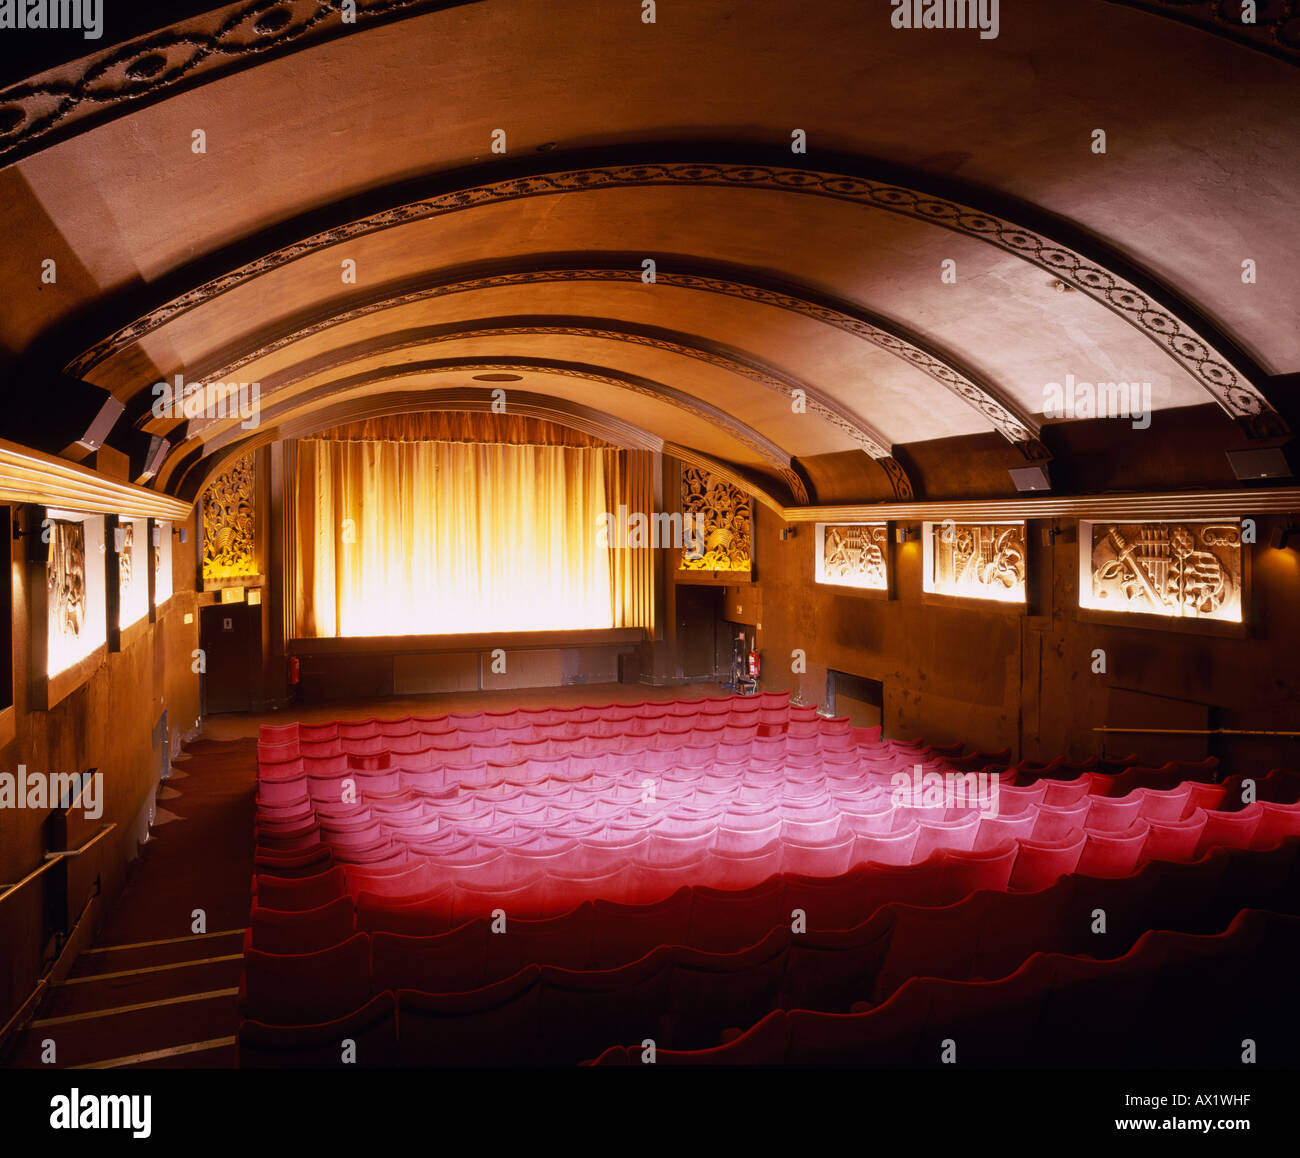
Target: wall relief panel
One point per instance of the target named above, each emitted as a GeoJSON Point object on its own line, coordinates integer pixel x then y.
{"type": "Point", "coordinates": [976, 560]}
{"type": "Point", "coordinates": [725, 513]}
{"type": "Point", "coordinates": [76, 615]}
{"type": "Point", "coordinates": [229, 523]}
{"type": "Point", "coordinates": [853, 555]}
{"type": "Point", "coordinates": [132, 573]}
{"type": "Point", "coordinates": [162, 563]}
{"type": "Point", "coordinates": [1178, 570]}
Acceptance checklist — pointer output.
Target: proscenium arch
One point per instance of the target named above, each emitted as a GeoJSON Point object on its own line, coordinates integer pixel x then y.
{"type": "Point", "coordinates": [681, 272]}
{"type": "Point", "coordinates": [462, 399]}
{"type": "Point", "coordinates": [774, 456]}
{"type": "Point", "coordinates": [715, 354]}
{"type": "Point", "coordinates": [1113, 283]}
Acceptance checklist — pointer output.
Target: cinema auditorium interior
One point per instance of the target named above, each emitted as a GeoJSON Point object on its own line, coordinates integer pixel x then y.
{"type": "Point", "coordinates": [612, 534]}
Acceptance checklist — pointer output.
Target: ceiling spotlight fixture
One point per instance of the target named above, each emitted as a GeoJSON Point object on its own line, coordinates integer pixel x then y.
{"type": "Point", "coordinates": [498, 377]}
{"type": "Point", "coordinates": [1059, 286]}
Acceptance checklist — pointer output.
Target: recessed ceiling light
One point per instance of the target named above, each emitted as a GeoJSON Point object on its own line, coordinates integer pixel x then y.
{"type": "Point", "coordinates": [498, 377]}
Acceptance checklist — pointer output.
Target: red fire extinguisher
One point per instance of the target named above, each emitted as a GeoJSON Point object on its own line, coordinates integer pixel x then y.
{"type": "Point", "coordinates": [293, 671]}
{"type": "Point", "coordinates": [752, 665]}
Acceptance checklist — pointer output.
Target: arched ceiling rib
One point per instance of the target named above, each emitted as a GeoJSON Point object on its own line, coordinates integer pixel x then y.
{"type": "Point", "coordinates": [776, 272]}
{"type": "Point", "coordinates": [733, 361]}
{"type": "Point", "coordinates": [1003, 414]}
{"type": "Point", "coordinates": [759, 450]}
{"type": "Point", "coordinates": [1158, 316]}
{"type": "Point", "coordinates": [195, 476]}
{"type": "Point", "coordinates": [110, 83]}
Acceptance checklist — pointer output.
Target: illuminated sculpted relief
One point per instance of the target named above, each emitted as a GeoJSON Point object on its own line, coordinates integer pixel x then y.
{"type": "Point", "coordinates": [1179, 569]}
{"type": "Point", "coordinates": [725, 513]}
{"type": "Point", "coordinates": [228, 523]}
{"type": "Point", "coordinates": [126, 560]}
{"type": "Point", "coordinates": [852, 555]}
{"type": "Point", "coordinates": [976, 560]}
{"type": "Point", "coordinates": [66, 578]}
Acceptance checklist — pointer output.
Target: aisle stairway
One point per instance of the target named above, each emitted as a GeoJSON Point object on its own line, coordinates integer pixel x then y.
{"type": "Point", "coordinates": [150, 992]}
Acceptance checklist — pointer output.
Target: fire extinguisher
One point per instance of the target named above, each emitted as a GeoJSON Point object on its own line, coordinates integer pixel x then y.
{"type": "Point", "coordinates": [293, 671]}
{"type": "Point", "coordinates": [752, 665]}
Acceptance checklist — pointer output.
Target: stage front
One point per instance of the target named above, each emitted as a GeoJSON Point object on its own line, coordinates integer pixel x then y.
{"type": "Point", "coordinates": [370, 666]}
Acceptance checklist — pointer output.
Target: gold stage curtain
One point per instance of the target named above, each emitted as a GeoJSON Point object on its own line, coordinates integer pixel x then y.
{"type": "Point", "coordinates": [398, 537]}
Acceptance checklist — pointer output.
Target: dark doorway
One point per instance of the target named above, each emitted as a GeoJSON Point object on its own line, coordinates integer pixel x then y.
{"type": "Point", "coordinates": [861, 699]}
{"type": "Point", "coordinates": [231, 637]}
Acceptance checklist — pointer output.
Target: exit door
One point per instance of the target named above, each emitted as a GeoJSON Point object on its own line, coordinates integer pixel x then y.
{"type": "Point", "coordinates": [230, 635]}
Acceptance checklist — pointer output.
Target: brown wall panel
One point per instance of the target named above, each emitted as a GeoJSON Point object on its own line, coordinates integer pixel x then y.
{"type": "Point", "coordinates": [997, 677]}
{"type": "Point", "coordinates": [108, 723]}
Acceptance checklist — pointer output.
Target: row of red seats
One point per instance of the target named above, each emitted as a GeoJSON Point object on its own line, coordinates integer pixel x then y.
{"type": "Point", "coordinates": [646, 709]}
{"type": "Point", "coordinates": [683, 998]}
{"type": "Point", "coordinates": [739, 712]}
{"type": "Point", "coordinates": [979, 929]}
{"type": "Point", "coordinates": [532, 828]}
{"type": "Point", "coordinates": [525, 882]}
{"type": "Point", "coordinates": [750, 818]}
{"type": "Point", "coordinates": [1100, 834]}
{"type": "Point", "coordinates": [1151, 1008]}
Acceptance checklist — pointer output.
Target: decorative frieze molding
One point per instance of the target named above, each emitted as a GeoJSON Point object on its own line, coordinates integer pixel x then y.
{"type": "Point", "coordinates": [73, 97]}
{"type": "Point", "coordinates": [773, 456]}
{"type": "Point", "coordinates": [1175, 335]}
{"type": "Point", "coordinates": [1274, 25]}
{"type": "Point", "coordinates": [1230, 504]}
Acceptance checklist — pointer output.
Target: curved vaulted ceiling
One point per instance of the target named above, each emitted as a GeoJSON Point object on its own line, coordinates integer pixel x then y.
{"type": "Point", "coordinates": [940, 243]}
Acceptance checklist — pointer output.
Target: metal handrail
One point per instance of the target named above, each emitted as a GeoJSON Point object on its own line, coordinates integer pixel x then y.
{"type": "Point", "coordinates": [53, 858]}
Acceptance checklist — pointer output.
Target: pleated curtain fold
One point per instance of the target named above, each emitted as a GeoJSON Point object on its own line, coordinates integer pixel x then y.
{"type": "Point", "coordinates": [402, 537]}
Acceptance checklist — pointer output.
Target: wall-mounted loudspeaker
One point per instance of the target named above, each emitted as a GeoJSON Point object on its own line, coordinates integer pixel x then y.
{"type": "Point", "coordinates": [147, 454]}
{"type": "Point", "coordinates": [1259, 464]}
{"type": "Point", "coordinates": [1031, 478]}
{"type": "Point", "coordinates": [62, 412]}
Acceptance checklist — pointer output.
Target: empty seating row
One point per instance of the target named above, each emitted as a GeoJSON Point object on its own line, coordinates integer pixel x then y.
{"type": "Point", "coordinates": [1151, 1005]}
{"type": "Point", "coordinates": [683, 1000]}
{"type": "Point", "coordinates": [539, 873]}
{"type": "Point", "coordinates": [987, 934]}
